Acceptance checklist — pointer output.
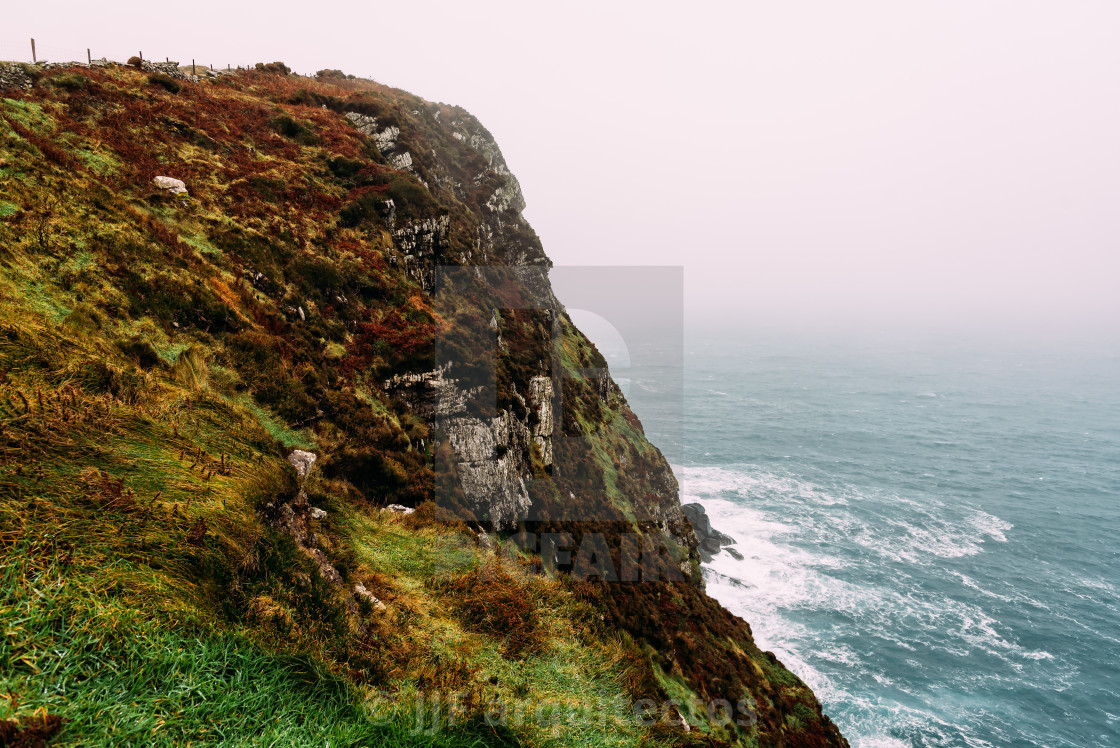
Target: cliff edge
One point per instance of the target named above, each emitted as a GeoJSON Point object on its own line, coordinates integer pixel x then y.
{"type": "Point", "coordinates": [297, 443]}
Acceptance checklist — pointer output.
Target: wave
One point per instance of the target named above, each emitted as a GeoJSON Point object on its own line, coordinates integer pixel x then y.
{"type": "Point", "coordinates": [834, 576]}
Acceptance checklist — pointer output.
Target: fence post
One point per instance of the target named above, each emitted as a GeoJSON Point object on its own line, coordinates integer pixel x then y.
{"type": "Point", "coordinates": [33, 59]}
{"type": "Point", "coordinates": [192, 66]}
{"type": "Point", "coordinates": [141, 55]}
{"type": "Point", "coordinates": [89, 57]}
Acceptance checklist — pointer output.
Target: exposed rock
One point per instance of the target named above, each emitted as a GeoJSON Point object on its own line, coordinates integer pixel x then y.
{"type": "Point", "coordinates": [14, 75]}
{"type": "Point", "coordinates": [492, 454]}
{"type": "Point", "coordinates": [399, 509]}
{"type": "Point", "coordinates": [503, 234]}
{"type": "Point", "coordinates": [402, 161]}
{"type": "Point", "coordinates": [432, 393]}
{"type": "Point", "coordinates": [317, 513]}
{"type": "Point", "coordinates": [710, 540]}
{"type": "Point", "coordinates": [170, 69]}
{"type": "Point", "coordinates": [361, 591]}
{"type": "Point", "coordinates": [384, 138]}
{"type": "Point", "coordinates": [170, 184]}
{"type": "Point", "coordinates": [541, 394]}
{"type": "Point", "coordinates": [422, 243]}
{"type": "Point", "coordinates": [325, 568]}
{"type": "Point", "coordinates": [303, 462]}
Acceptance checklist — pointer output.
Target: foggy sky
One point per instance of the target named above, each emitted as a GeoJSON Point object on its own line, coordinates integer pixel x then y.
{"type": "Point", "coordinates": [945, 163]}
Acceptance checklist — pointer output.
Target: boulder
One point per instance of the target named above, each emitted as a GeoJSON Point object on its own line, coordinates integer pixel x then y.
{"type": "Point", "coordinates": [170, 184]}
{"type": "Point", "coordinates": [710, 540]}
{"type": "Point", "coordinates": [302, 461]}
{"type": "Point", "coordinates": [399, 509]}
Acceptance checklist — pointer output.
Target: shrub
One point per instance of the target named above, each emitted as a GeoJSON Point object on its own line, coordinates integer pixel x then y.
{"type": "Point", "coordinates": [165, 82]}
{"type": "Point", "coordinates": [276, 68]}
{"type": "Point", "coordinates": [344, 168]}
{"type": "Point", "coordinates": [490, 601]}
{"type": "Point", "coordinates": [141, 352]}
{"type": "Point", "coordinates": [300, 132]}
{"type": "Point", "coordinates": [331, 74]}
{"type": "Point", "coordinates": [135, 61]}
{"type": "Point", "coordinates": [70, 81]}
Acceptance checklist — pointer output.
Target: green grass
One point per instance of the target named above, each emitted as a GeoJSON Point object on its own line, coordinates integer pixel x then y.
{"type": "Point", "coordinates": [27, 113]}
{"type": "Point", "coordinates": [120, 678]}
{"type": "Point", "coordinates": [200, 243]}
{"type": "Point", "coordinates": [385, 544]}
{"type": "Point", "coordinates": [277, 429]}
{"type": "Point", "coordinates": [570, 693]}
{"type": "Point", "coordinates": [99, 163]}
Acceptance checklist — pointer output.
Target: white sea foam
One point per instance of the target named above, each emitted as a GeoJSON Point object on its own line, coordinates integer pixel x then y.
{"type": "Point", "coordinates": [798, 538]}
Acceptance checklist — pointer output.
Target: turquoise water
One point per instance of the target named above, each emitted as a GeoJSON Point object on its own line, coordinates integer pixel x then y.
{"type": "Point", "coordinates": [931, 532]}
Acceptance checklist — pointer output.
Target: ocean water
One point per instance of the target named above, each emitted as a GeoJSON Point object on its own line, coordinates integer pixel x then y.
{"type": "Point", "coordinates": [930, 531]}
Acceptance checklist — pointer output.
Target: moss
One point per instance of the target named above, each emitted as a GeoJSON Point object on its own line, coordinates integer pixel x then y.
{"type": "Point", "coordinates": [69, 81]}
{"type": "Point", "coordinates": [29, 114]}
{"type": "Point", "coordinates": [201, 243]}
{"type": "Point", "coordinates": [100, 163]}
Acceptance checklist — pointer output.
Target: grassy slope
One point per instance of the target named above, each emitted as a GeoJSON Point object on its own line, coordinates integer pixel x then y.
{"type": "Point", "coordinates": [154, 370]}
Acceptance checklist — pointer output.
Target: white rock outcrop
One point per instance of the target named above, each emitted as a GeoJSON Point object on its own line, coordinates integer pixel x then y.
{"type": "Point", "coordinates": [170, 184]}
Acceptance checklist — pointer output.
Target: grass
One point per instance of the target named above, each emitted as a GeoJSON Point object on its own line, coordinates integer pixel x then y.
{"type": "Point", "coordinates": [279, 431]}
{"type": "Point", "coordinates": [119, 678]}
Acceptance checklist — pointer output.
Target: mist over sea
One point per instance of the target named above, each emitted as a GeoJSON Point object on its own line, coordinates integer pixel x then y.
{"type": "Point", "coordinates": [930, 530]}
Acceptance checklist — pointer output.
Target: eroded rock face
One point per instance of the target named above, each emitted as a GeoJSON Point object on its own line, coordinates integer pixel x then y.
{"type": "Point", "coordinates": [422, 243]}
{"type": "Point", "coordinates": [297, 518]}
{"type": "Point", "coordinates": [493, 456]}
{"type": "Point", "coordinates": [385, 138]}
{"type": "Point", "coordinates": [541, 394]}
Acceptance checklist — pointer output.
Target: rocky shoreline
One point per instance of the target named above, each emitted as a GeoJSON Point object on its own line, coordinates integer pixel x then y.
{"type": "Point", "coordinates": [711, 540]}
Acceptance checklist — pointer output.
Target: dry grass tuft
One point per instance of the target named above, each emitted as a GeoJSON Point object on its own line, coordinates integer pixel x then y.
{"type": "Point", "coordinates": [490, 601]}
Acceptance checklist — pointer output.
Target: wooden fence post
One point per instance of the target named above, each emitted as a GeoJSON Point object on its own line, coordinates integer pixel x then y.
{"type": "Point", "coordinates": [89, 57]}
{"type": "Point", "coordinates": [33, 59]}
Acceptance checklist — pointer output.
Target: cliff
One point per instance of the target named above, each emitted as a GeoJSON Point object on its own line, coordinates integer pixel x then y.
{"type": "Point", "coordinates": [297, 444]}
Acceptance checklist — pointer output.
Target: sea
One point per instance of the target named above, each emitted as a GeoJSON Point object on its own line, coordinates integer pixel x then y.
{"type": "Point", "coordinates": [930, 528]}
